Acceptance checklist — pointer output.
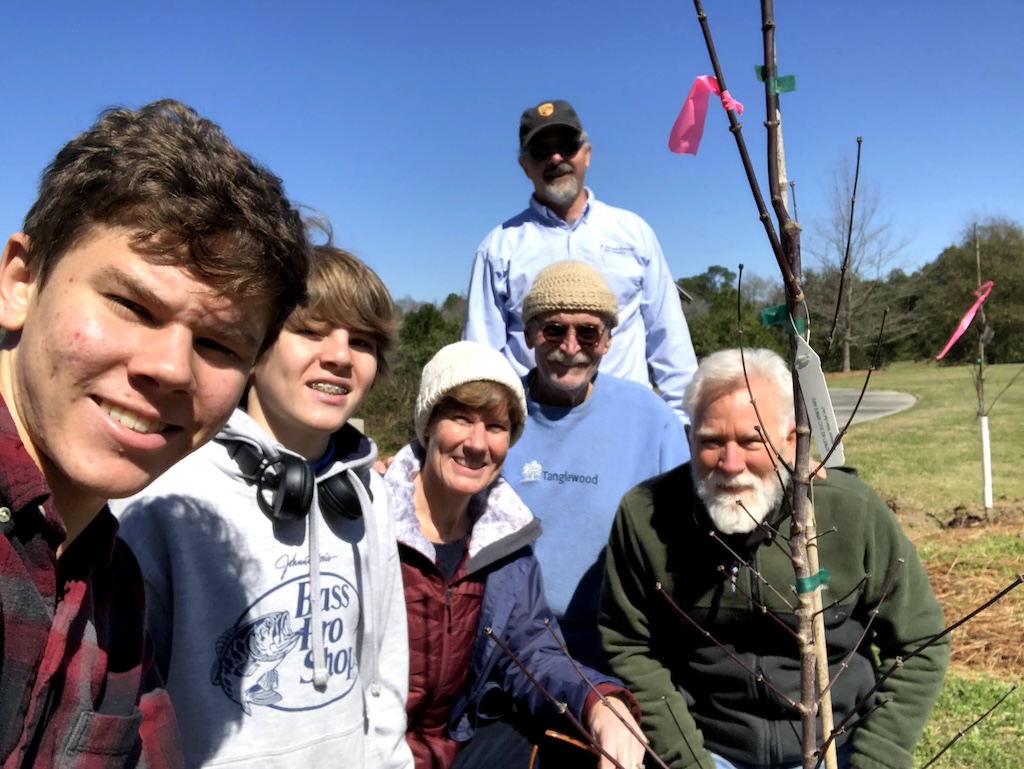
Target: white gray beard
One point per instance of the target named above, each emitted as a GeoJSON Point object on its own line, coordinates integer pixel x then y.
{"type": "Point", "coordinates": [724, 506]}
{"type": "Point", "coordinates": [562, 191]}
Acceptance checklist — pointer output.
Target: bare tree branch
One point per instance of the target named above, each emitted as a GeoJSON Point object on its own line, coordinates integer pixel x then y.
{"type": "Point", "coordinates": [737, 131]}
{"type": "Point", "coordinates": [900, 660]}
{"type": "Point", "coordinates": [604, 699]}
{"type": "Point", "coordinates": [759, 677]}
{"type": "Point", "coordinates": [562, 707]}
{"type": "Point", "coordinates": [974, 723]}
{"type": "Point", "coordinates": [849, 242]}
{"type": "Point", "coordinates": [889, 581]}
{"type": "Point", "coordinates": [760, 578]}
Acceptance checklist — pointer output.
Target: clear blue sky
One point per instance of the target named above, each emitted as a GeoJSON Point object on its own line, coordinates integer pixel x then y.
{"type": "Point", "coordinates": [399, 120]}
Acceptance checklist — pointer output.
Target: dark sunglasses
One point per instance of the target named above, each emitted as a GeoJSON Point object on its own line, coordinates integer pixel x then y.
{"type": "Point", "coordinates": [567, 148]}
{"type": "Point", "coordinates": [586, 335]}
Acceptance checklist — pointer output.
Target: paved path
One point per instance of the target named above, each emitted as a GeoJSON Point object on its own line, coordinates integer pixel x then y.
{"type": "Point", "coordinates": [876, 403]}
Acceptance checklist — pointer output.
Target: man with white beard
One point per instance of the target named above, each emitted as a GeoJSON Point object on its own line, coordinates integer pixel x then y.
{"type": "Point", "coordinates": [565, 221]}
{"type": "Point", "coordinates": [716, 675]}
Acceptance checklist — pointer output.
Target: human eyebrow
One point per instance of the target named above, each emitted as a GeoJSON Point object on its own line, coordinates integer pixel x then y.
{"type": "Point", "coordinates": [708, 435]}
{"type": "Point", "coordinates": [136, 289]}
{"type": "Point", "coordinates": [241, 336]}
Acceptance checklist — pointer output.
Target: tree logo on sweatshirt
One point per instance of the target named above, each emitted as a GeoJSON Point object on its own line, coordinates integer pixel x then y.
{"type": "Point", "coordinates": [266, 658]}
{"type": "Point", "coordinates": [532, 472]}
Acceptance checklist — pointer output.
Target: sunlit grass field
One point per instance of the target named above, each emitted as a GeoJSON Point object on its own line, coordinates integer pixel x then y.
{"type": "Point", "coordinates": [927, 462]}
{"type": "Point", "coordinates": [931, 453]}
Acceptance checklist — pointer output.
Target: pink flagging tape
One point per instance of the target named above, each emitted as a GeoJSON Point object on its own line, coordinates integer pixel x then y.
{"type": "Point", "coordinates": [982, 293]}
{"type": "Point", "coordinates": [689, 126]}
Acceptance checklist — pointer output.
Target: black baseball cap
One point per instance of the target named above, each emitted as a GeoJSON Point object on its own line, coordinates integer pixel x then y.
{"type": "Point", "coordinates": [545, 115]}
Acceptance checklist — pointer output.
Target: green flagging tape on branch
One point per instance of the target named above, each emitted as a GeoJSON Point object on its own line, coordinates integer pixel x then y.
{"type": "Point", "coordinates": [779, 316]}
{"type": "Point", "coordinates": [782, 84]}
{"type": "Point", "coordinates": [777, 84]}
{"type": "Point", "coordinates": [808, 584]}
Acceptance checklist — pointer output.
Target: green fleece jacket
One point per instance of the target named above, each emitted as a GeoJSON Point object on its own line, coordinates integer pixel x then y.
{"type": "Point", "coordinates": [695, 698]}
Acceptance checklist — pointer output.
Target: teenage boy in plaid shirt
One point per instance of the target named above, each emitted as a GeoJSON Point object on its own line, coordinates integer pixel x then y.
{"type": "Point", "coordinates": [156, 264]}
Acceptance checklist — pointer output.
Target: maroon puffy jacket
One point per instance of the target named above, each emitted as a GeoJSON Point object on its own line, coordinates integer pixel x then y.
{"type": "Point", "coordinates": [442, 625]}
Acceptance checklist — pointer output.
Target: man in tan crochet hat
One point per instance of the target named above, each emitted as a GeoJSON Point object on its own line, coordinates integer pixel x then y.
{"type": "Point", "coordinates": [565, 220]}
{"type": "Point", "coordinates": [589, 438]}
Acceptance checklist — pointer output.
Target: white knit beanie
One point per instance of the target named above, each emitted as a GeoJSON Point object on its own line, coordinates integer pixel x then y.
{"type": "Point", "coordinates": [457, 364]}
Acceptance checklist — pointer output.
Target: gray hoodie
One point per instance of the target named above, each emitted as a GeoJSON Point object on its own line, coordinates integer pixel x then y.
{"type": "Point", "coordinates": [268, 661]}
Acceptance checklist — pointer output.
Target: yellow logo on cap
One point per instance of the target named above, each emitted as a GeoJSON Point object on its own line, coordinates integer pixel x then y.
{"type": "Point", "coordinates": [546, 109]}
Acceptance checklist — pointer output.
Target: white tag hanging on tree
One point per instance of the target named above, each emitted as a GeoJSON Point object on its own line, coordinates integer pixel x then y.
{"type": "Point", "coordinates": [820, 414]}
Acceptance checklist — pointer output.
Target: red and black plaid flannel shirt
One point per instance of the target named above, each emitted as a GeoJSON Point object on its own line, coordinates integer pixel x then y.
{"type": "Point", "coordinates": [78, 686]}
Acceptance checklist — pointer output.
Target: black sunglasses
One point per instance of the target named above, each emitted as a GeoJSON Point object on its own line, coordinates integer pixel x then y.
{"type": "Point", "coordinates": [586, 335]}
{"type": "Point", "coordinates": [567, 148]}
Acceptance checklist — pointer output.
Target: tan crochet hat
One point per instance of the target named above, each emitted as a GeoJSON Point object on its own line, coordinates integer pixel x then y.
{"type": "Point", "coordinates": [459, 363]}
{"type": "Point", "coordinates": [572, 286]}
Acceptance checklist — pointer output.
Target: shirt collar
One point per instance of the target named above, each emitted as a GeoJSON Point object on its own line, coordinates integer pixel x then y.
{"type": "Point", "coordinates": [546, 214]}
{"type": "Point", "coordinates": [21, 482]}
{"type": "Point", "coordinates": [94, 547]}
{"type": "Point", "coordinates": [24, 488]}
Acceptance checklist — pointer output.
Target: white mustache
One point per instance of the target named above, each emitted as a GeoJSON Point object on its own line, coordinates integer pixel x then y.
{"type": "Point", "coordinates": [558, 355]}
{"type": "Point", "coordinates": [722, 480]}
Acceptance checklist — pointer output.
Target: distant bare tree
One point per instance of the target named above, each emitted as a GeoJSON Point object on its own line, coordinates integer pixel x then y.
{"type": "Point", "coordinates": [871, 250]}
{"type": "Point", "coordinates": [761, 291]}
{"type": "Point", "coordinates": [407, 304]}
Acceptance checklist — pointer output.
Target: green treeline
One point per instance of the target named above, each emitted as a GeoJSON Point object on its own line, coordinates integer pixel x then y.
{"type": "Point", "coordinates": [425, 329]}
{"type": "Point", "coordinates": [921, 308]}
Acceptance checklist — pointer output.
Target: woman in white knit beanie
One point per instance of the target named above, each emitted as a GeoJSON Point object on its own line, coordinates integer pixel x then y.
{"type": "Point", "coordinates": [465, 542]}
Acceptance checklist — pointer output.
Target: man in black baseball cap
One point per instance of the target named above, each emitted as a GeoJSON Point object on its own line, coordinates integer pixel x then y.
{"type": "Point", "coordinates": [565, 221]}
{"type": "Point", "coordinates": [554, 153]}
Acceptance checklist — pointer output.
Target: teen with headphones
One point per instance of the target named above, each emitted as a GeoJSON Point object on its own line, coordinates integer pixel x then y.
{"type": "Point", "coordinates": [273, 583]}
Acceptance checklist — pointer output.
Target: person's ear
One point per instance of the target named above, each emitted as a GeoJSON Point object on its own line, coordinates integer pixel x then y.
{"type": "Point", "coordinates": [17, 283]}
{"type": "Point", "coordinates": [788, 450]}
{"type": "Point", "coordinates": [522, 164]}
{"type": "Point", "coordinates": [528, 331]}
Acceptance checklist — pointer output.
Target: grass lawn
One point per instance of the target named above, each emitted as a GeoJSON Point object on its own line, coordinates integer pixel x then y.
{"type": "Point", "coordinates": [997, 742]}
{"type": "Point", "coordinates": [931, 453]}
{"type": "Point", "coordinates": [926, 462]}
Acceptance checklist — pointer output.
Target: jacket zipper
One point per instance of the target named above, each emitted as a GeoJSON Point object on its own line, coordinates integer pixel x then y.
{"type": "Point", "coordinates": [448, 607]}
{"type": "Point", "coordinates": [771, 742]}
{"type": "Point", "coordinates": [442, 676]}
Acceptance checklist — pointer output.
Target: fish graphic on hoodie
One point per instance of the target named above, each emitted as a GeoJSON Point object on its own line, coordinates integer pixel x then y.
{"type": "Point", "coordinates": [266, 657]}
{"type": "Point", "coordinates": [248, 656]}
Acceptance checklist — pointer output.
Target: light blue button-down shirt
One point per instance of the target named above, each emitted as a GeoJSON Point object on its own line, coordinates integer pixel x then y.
{"type": "Point", "coordinates": [623, 247]}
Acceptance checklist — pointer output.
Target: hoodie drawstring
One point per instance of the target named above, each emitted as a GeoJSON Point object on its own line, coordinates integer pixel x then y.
{"type": "Point", "coordinates": [370, 611]}
{"type": "Point", "coordinates": [320, 674]}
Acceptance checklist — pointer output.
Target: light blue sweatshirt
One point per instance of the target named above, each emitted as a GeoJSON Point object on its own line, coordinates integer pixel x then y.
{"type": "Point", "coordinates": [571, 468]}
